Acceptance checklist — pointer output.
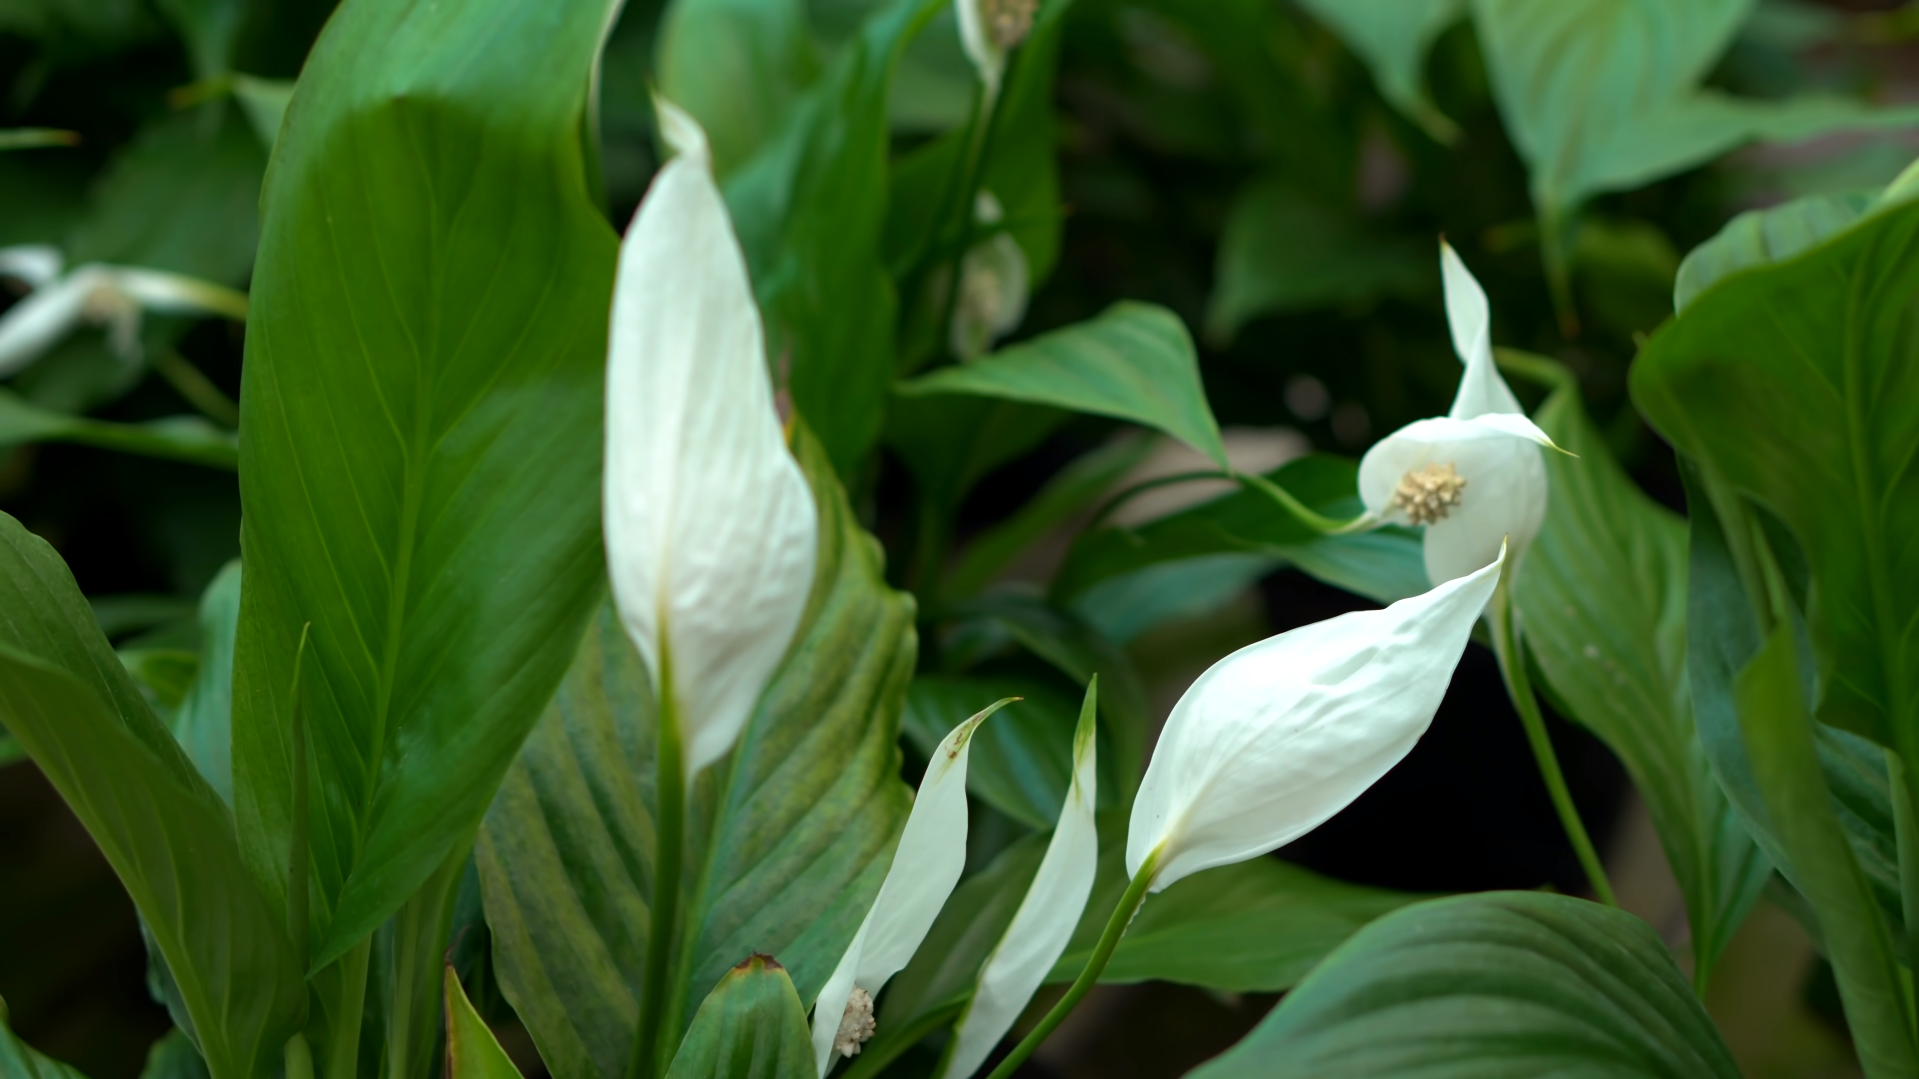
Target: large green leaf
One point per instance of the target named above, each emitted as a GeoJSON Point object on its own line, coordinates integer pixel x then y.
{"type": "Point", "coordinates": [1604, 95]}
{"type": "Point", "coordinates": [1500, 985]}
{"type": "Point", "coordinates": [1134, 362]}
{"type": "Point", "coordinates": [67, 699]}
{"type": "Point", "coordinates": [1392, 37]}
{"type": "Point", "coordinates": [422, 438]}
{"type": "Point", "coordinates": [1283, 252]}
{"type": "Point", "coordinates": [1796, 383]}
{"type": "Point", "coordinates": [1762, 237]}
{"type": "Point", "coordinates": [751, 1026]}
{"type": "Point", "coordinates": [1602, 595]}
{"type": "Point", "coordinates": [787, 844]}
{"type": "Point", "coordinates": [737, 66]}
{"type": "Point", "coordinates": [810, 208]}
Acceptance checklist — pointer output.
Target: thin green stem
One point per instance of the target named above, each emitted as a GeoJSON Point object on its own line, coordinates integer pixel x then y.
{"type": "Point", "coordinates": [196, 388]}
{"type": "Point", "coordinates": [1089, 975]}
{"type": "Point", "coordinates": [1316, 521]}
{"type": "Point", "coordinates": [671, 794]}
{"type": "Point", "coordinates": [1512, 668]}
{"type": "Point", "coordinates": [345, 1011]}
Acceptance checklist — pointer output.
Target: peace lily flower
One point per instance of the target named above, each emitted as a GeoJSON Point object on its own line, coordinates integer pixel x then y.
{"type": "Point", "coordinates": [1282, 734]}
{"type": "Point", "coordinates": [988, 29]}
{"type": "Point", "coordinates": [926, 866]}
{"type": "Point", "coordinates": [1044, 923]}
{"type": "Point", "coordinates": [710, 526]}
{"type": "Point", "coordinates": [994, 281]}
{"type": "Point", "coordinates": [1474, 477]}
{"type": "Point", "coordinates": [113, 297]}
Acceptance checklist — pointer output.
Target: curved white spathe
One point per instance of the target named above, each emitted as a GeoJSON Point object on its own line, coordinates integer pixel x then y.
{"type": "Point", "coordinates": [1282, 734]}
{"type": "Point", "coordinates": [711, 528]}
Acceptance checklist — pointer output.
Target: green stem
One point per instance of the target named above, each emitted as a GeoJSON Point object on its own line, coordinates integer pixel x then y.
{"type": "Point", "coordinates": [196, 388]}
{"type": "Point", "coordinates": [1089, 975]}
{"type": "Point", "coordinates": [1512, 668]}
{"type": "Point", "coordinates": [1316, 521]}
{"type": "Point", "coordinates": [416, 964]}
{"type": "Point", "coordinates": [345, 1010]}
{"type": "Point", "coordinates": [671, 795]}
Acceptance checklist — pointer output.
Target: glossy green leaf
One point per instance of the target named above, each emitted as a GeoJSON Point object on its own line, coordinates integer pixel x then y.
{"type": "Point", "coordinates": [472, 1052]}
{"type": "Point", "coordinates": [1602, 96]}
{"type": "Point", "coordinates": [810, 208]}
{"type": "Point", "coordinates": [422, 440]}
{"type": "Point", "coordinates": [1283, 252]}
{"type": "Point", "coordinates": [1795, 382]}
{"type": "Point", "coordinates": [1602, 598]}
{"type": "Point", "coordinates": [737, 66]}
{"type": "Point", "coordinates": [751, 1026]}
{"type": "Point", "coordinates": [177, 438]}
{"type": "Point", "coordinates": [1393, 37]}
{"type": "Point", "coordinates": [788, 838]}
{"type": "Point", "coordinates": [1499, 985]}
{"type": "Point", "coordinates": [67, 699]}
{"type": "Point", "coordinates": [19, 1061]}
{"type": "Point", "coordinates": [1134, 362]}
{"type": "Point", "coordinates": [1762, 237]}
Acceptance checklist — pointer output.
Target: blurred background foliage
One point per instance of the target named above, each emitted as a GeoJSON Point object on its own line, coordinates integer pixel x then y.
{"type": "Point", "coordinates": [1238, 161]}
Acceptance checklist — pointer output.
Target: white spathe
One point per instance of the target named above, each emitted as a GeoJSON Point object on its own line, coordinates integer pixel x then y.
{"type": "Point", "coordinates": [1044, 923]}
{"type": "Point", "coordinates": [926, 866]}
{"type": "Point", "coordinates": [1485, 439]}
{"type": "Point", "coordinates": [1282, 734]}
{"type": "Point", "coordinates": [711, 529]}
{"type": "Point", "coordinates": [113, 297]}
{"type": "Point", "coordinates": [988, 58]}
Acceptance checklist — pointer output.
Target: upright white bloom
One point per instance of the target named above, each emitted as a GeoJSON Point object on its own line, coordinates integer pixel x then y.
{"type": "Point", "coordinates": [926, 866]}
{"type": "Point", "coordinates": [1282, 734]}
{"type": "Point", "coordinates": [711, 530]}
{"type": "Point", "coordinates": [1043, 926]}
{"type": "Point", "coordinates": [113, 297]}
{"type": "Point", "coordinates": [993, 287]}
{"type": "Point", "coordinates": [988, 28]}
{"type": "Point", "coordinates": [1473, 477]}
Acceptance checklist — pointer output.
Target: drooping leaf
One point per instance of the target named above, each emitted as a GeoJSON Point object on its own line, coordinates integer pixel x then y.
{"type": "Point", "coordinates": [809, 208]}
{"type": "Point", "coordinates": [1393, 37]}
{"type": "Point", "coordinates": [19, 1061]}
{"type": "Point", "coordinates": [69, 702]}
{"type": "Point", "coordinates": [737, 66]}
{"type": "Point", "coordinates": [751, 1026]}
{"type": "Point", "coordinates": [1499, 985]}
{"type": "Point", "coordinates": [1796, 383]}
{"type": "Point", "coordinates": [1602, 595]}
{"type": "Point", "coordinates": [472, 1052]}
{"type": "Point", "coordinates": [788, 839]}
{"type": "Point", "coordinates": [1282, 252]}
{"type": "Point", "coordinates": [1134, 362]}
{"type": "Point", "coordinates": [423, 415]}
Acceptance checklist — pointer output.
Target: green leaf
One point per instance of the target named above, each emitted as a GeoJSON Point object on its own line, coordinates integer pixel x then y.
{"type": "Point", "coordinates": [737, 66]}
{"type": "Point", "coordinates": [203, 725]}
{"type": "Point", "coordinates": [174, 1057]}
{"type": "Point", "coordinates": [1128, 605]}
{"type": "Point", "coordinates": [67, 699]}
{"type": "Point", "coordinates": [472, 1052]}
{"type": "Point", "coordinates": [751, 1026]}
{"type": "Point", "coordinates": [788, 838]}
{"type": "Point", "coordinates": [1795, 383]}
{"type": "Point", "coordinates": [1601, 96]}
{"type": "Point", "coordinates": [1500, 985]}
{"type": "Point", "coordinates": [1602, 596]}
{"type": "Point", "coordinates": [1762, 237]}
{"type": "Point", "coordinates": [19, 1061]}
{"type": "Point", "coordinates": [1283, 252]}
{"type": "Point", "coordinates": [176, 438]}
{"type": "Point", "coordinates": [1393, 37]}
{"type": "Point", "coordinates": [810, 207]}
{"type": "Point", "coordinates": [1384, 564]}
{"type": "Point", "coordinates": [422, 437]}
{"type": "Point", "coordinates": [1134, 362]}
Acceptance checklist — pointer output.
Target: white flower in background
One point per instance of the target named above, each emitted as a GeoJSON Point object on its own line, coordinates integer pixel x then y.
{"type": "Point", "coordinates": [1474, 477]}
{"type": "Point", "coordinates": [994, 282]}
{"type": "Point", "coordinates": [988, 29]}
{"type": "Point", "coordinates": [112, 297]}
{"type": "Point", "coordinates": [1282, 734]}
{"type": "Point", "coordinates": [711, 529]}
{"type": "Point", "coordinates": [1044, 923]}
{"type": "Point", "coordinates": [926, 866]}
